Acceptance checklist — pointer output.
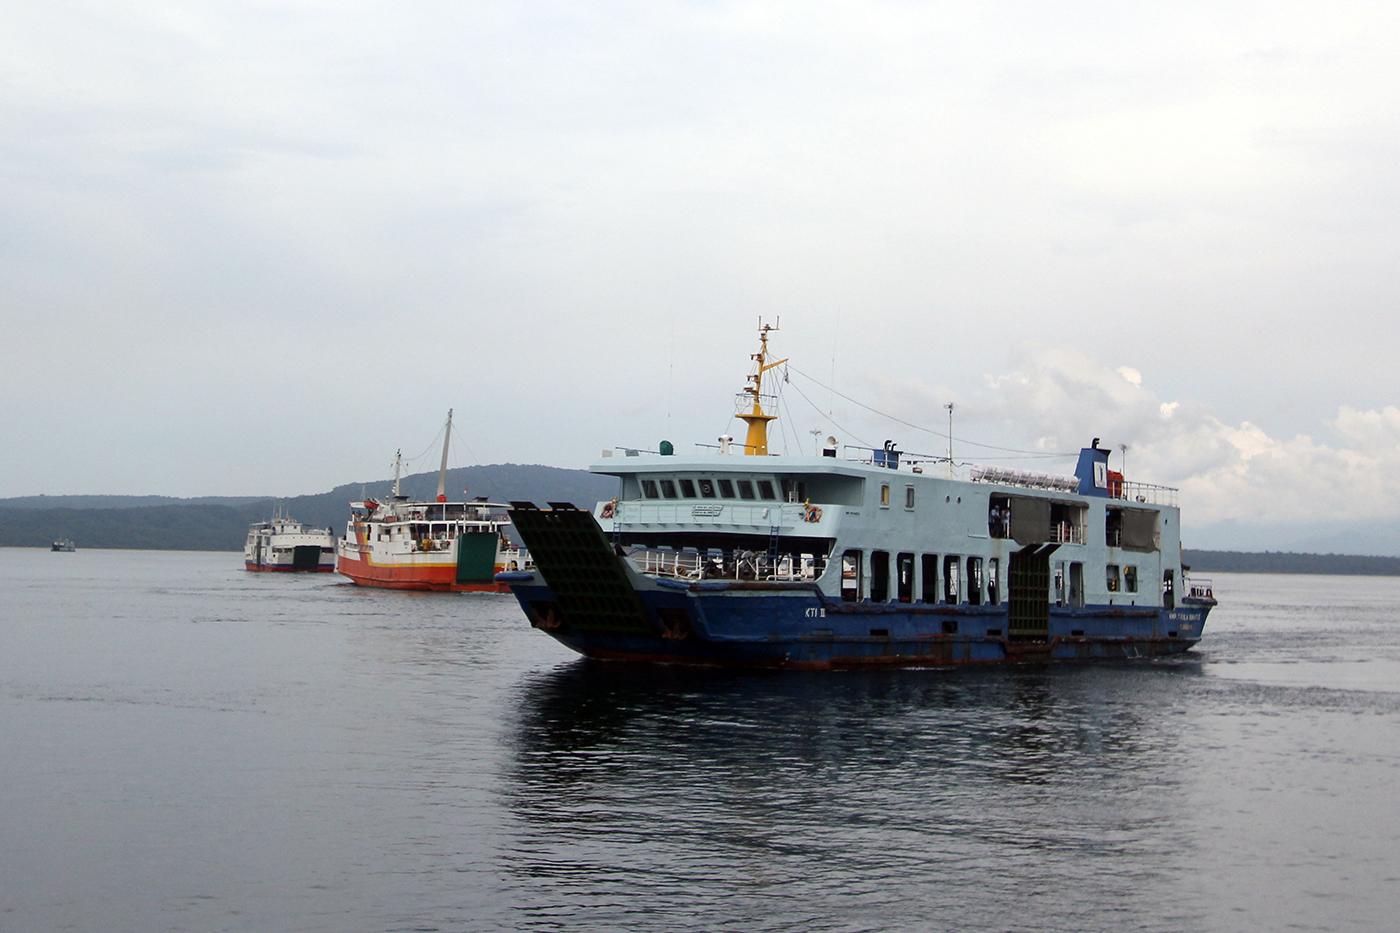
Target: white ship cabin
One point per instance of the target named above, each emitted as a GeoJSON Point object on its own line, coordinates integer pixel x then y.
{"type": "Point", "coordinates": [427, 525]}
{"type": "Point", "coordinates": [876, 525]}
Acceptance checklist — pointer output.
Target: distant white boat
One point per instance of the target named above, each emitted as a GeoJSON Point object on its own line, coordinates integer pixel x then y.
{"type": "Point", "coordinates": [63, 544]}
{"type": "Point", "coordinates": [284, 545]}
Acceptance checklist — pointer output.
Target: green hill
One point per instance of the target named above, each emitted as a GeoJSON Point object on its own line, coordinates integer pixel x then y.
{"type": "Point", "coordinates": [1284, 562]}
{"type": "Point", "coordinates": [221, 523]}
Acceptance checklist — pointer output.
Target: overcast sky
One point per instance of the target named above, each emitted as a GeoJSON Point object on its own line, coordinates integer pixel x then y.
{"type": "Point", "coordinates": [254, 248]}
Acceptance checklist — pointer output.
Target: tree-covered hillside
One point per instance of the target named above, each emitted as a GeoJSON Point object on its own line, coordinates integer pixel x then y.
{"type": "Point", "coordinates": [221, 524]}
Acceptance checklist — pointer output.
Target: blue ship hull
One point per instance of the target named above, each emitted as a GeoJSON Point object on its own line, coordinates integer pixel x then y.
{"type": "Point", "coordinates": [797, 626]}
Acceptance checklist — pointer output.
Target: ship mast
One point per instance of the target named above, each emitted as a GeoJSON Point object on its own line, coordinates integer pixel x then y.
{"type": "Point", "coordinates": [756, 443]}
{"type": "Point", "coordinates": [442, 470]}
{"type": "Point", "coordinates": [398, 463]}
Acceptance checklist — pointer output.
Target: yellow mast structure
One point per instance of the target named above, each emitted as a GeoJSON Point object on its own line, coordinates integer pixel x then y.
{"type": "Point", "coordinates": [756, 443]}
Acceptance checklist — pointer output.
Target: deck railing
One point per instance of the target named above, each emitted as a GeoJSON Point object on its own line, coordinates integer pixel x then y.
{"type": "Point", "coordinates": [1067, 533]}
{"type": "Point", "coordinates": [1148, 494]}
{"type": "Point", "coordinates": [1199, 588]}
{"type": "Point", "coordinates": [693, 565]}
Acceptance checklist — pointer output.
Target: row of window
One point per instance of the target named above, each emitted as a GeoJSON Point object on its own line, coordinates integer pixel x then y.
{"type": "Point", "coordinates": [708, 489]}
{"type": "Point", "coordinates": [1127, 583]}
{"type": "Point", "coordinates": [942, 581]}
{"type": "Point", "coordinates": [939, 581]}
{"type": "Point", "coordinates": [908, 496]}
{"type": "Point", "coordinates": [440, 530]}
{"type": "Point", "coordinates": [1117, 579]}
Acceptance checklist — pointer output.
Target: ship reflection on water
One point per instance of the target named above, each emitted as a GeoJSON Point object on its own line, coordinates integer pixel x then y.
{"type": "Point", "coordinates": [804, 791]}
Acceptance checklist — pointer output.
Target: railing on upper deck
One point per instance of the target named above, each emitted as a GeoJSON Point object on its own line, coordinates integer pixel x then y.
{"type": "Point", "coordinates": [1067, 533]}
{"type": "Point", "coordinates": [1147, 493]}
{"type": "Point", "coordinates": [693, 565]}
{"type": "Point", "coordinates": [1198, 588]}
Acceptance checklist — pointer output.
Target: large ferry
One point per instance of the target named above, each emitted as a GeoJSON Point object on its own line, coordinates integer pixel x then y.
{"type": "Point", "coordinates": [441, 545]}
{"type": "Point", "coordinates": [284, 545]}
{"type": "Point", "coordinates": [873, 557]}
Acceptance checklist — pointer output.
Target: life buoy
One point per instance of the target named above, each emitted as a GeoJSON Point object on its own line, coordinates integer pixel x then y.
{"type": "Point", "coordinates": [608, 510]}
{"type": "Point", "coordinates": [812, 514]}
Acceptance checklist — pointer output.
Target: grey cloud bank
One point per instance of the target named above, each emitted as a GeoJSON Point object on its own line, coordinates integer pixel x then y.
{"type": "Point", "coordinates": [254, 250]}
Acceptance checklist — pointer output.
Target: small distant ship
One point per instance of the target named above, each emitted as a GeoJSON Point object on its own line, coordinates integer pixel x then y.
{"type": "Point", "coordinates": [63, 544]}
{"type": "Point", "coordinates": [440, 545]}
{"type": "Point", "coordinates": [877, 558]}
{"type": "Point", "coordinates": [288, 546]}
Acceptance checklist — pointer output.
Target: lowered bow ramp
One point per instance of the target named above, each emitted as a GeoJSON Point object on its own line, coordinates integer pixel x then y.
{"type": "Point", "coordinates": [585, 577]}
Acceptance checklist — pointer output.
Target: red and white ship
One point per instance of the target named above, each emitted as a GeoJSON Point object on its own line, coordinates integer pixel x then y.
{"type": "Point", "coordinates": [437, 545]}
{"type": "Point", "coordinates": [284, 545]}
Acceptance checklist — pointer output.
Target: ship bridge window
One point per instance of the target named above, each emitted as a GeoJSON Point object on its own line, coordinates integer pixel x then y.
{"type": "Point", "coordinates": [707, 488]}
{"type": "Point", "coordinates": [726, 489]}
{"type": "Point", "coordinates": [688, 489]}
{"type": "Point", "coordinates": [1132, 529]}
{"type": "Point", "coordinates": [745, 489]}
{"type": "Point", "coordinates": [1111, 577]}
{"type": "Point", "coordinates": [668, 488]}
{"type": "Point", "coordinates": [1130, 579]}
{"type": "Point", "coordinates": [649, 489]}
{"type": "Point", "coordinates": [765, 489]}
{"type": "Point", "coordinates": [908, 497]}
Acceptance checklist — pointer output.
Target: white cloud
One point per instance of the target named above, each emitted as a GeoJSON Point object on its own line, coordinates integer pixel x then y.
{"type": "Point", "coordinates": [1060, 398]}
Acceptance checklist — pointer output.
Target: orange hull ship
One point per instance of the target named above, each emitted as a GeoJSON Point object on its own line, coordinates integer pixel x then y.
{"type": "Point", "coordinates": [440, 545]}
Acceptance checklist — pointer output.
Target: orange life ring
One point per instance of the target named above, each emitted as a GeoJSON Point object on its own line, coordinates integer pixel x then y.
{"type": "Point", "coordinates": [608, 510]}
{"type": "Point", "coordinates": [812, 514]}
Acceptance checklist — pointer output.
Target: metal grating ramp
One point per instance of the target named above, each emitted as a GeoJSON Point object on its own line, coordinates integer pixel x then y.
{"type": "Point", "coordinates": [1029, 594]}
{"type": "Point", "coordinates": [580, 567]}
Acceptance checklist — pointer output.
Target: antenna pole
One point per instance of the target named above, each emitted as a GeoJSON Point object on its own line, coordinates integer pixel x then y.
{"type": "Point", "coordinates": [442, 470]}
{"type": "Point", "coordinates": [949, 406]}
{"type": "Point", "coordinates": [757, 441]}
{"type": "Point", "coordinates": [398, 463]}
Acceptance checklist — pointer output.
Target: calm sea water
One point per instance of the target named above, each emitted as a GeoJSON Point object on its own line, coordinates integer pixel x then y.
{"type": "Point", "coordinates": [186, 746]}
